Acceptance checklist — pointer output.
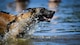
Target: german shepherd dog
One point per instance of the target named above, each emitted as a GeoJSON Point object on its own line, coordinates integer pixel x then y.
{"type": "Point", "coordinates": [23, 24]}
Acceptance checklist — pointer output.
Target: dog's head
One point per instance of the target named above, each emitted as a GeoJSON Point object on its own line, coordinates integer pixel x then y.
{"type": "Point", "coordinates": [42, 14]}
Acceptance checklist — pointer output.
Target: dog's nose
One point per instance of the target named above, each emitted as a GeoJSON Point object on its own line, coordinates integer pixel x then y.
{"type": "Point", "coordinates": [51, 14]}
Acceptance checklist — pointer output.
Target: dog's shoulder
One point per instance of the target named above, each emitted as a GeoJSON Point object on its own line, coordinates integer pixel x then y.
{"type": "Point", "coordinates": [5, 18]}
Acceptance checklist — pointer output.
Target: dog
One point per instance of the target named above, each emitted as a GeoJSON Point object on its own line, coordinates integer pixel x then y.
{"type": "Point", "coordinates": [24, 24]}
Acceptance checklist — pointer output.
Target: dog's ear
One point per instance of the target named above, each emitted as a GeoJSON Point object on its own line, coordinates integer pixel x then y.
{"type": "Point", "coordinates": [31, 10]}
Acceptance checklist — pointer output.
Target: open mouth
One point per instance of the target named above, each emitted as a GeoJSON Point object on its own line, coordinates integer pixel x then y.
{"type": "Point", "coordinates": [47, 19]}
{"type": "Point", "coordinates": [43, 18]}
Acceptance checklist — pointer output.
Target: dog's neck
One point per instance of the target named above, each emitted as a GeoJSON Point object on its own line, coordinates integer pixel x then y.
{"type": "Point", "coordinates": [29, 19]}
{"type": "Point", "coordinates": [26, 26]}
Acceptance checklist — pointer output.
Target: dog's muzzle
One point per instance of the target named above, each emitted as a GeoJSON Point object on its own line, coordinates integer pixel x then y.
{"type": "Point", "coordinates": [42, 14]}
{"type": "Point", "coordinates": [45, 15]}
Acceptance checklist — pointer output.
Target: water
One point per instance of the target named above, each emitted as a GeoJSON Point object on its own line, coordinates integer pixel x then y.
{"type": "Point", "coordinates": [64, 28]}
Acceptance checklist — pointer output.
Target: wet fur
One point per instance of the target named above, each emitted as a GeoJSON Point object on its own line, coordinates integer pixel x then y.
{"type": "Point", "coordinates": [15, 25]}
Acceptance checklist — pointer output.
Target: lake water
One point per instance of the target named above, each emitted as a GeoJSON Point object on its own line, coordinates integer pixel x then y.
{"type": "Point", "coordinates": [64, 28]}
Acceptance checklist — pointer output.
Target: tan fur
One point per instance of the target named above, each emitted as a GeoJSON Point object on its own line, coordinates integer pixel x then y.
{"type": "Point", "coordinates": [7, 18]}
{"type": "Point", "coordinates": [23, 16]}
{"type": "Point", "coordinates": [16, 27]}
{"type": "Point", "coordinates": [4, 20]}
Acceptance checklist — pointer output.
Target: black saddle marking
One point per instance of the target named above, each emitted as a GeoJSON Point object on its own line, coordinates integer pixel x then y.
{"type": "Point", "coordinates": [4, 12]}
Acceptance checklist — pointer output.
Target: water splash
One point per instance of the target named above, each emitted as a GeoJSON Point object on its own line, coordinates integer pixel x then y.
{"type": "Point", "coordinates": [27, 26]}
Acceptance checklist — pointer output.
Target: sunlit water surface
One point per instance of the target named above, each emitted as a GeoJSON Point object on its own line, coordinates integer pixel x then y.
{"type": "Point", "coordinates": [62, 30]}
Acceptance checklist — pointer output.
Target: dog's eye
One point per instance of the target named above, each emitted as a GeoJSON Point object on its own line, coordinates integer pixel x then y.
{"type": "Point", "coordinates": [42, 10]}
{"type": "Point", "coordinates": [33, 11]}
